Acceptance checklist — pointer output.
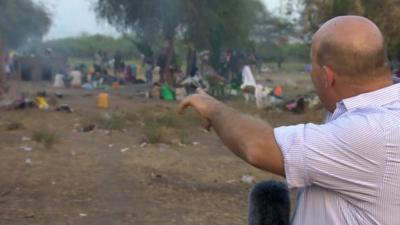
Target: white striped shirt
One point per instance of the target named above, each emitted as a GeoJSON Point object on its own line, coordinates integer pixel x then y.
{"type": "Point", "coordinates": [348, 169]}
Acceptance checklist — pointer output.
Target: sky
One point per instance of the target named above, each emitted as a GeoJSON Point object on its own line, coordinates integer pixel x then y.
{"type": "Point", "coordinates": [74, 17]}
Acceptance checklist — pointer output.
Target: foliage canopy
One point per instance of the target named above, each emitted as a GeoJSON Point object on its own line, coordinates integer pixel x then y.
{"type": "Point", "coordinates": [22, 20]}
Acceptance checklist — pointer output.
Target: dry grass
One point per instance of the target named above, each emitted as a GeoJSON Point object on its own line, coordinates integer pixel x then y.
{"type": "Point", "coordinates": [107, 121]}
{"type": "Point", "coordinates": [153, 132]}
{"type": "Point", "coordinates": [183, 136]}
{"type": "Point", "coordinates": [45, 136]}
{"type": "Point", "coordinates": [164, 125]}
{"type": "Point", "coordinates": [13, 126]}
{"type": "Point", "coordinates": [131, 116]}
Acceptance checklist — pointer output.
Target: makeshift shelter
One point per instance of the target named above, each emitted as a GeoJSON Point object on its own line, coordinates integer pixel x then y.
{"type": "Point", "coordinates": [39, 68]}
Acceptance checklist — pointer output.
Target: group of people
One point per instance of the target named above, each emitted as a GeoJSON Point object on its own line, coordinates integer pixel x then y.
{"type": "Point", "coordinates": [105, 71]}
{"type": "Point", "coordinates": [112, 69]}
{"type": "Point", "coordinates": [232, 62]}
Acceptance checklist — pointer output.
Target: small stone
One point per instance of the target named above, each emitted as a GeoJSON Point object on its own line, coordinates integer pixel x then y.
{"type": "Point", "coordinates": [26, 139]}
{"type": "Point", "coordinates": [124, 150]}
{"type": "Point", "coordinates": [248, 179]}
{"type": "Point", "coordinates": [155, 175]}
{"type": "Point", "coordinates": [144, 144]}
{"type": "Point", "coordinates": [26, 148]}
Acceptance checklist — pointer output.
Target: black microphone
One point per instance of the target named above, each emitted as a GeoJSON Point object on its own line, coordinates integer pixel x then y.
{"type": "Point", "coordinates": [269, 204]}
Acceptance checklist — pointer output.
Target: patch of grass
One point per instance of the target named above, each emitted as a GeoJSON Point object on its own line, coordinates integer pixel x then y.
{"type": "Point", "coordinates": [131, 116]}
{"type": "Point", "coordinates": [109, 121]}
{"type": "Point", "coordinates": [153, 132]}
{"type": "Point", "coordinates": [183, 136]}
{"type": "Point", "coordinates": [193, 118]}
{"type": "Point", "coordinates": [115, 122]}
{"type": "Point", "coordinates": [163, 116]}
{"type": "Point", "coordinates": [162, 124]}
{"type": "Point", "coordinates": [45, 136]}
{"type": "Point", "coordinates": [169, 119]}
{"type": "Point", "coordinates": [13, 125]}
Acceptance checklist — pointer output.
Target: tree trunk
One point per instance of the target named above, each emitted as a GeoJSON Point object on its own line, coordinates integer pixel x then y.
{"type": "Point", "coordinates": [170, 63]}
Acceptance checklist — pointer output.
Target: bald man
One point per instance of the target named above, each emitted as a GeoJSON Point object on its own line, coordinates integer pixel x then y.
{"type": "Point", "coordinates": [347, 170]}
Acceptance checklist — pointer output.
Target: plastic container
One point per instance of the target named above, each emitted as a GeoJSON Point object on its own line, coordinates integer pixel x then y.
{"type": "Point", "coordinates": [115, 85]}
{"type": "Point", "coordinates": [102, 101]}
{"type": "Point", "coordinates": [167, 93]}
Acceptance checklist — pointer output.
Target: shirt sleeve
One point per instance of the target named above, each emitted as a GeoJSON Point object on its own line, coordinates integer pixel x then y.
{"type": "Point", "coordinates": [345, 155]}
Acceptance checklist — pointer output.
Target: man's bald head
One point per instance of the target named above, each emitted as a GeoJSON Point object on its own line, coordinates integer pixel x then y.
{"type": "Point", "coordinates": [352, 46]}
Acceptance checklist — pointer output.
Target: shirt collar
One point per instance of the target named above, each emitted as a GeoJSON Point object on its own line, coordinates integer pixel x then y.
{"type": "Point", "coordinates": [379, 97]}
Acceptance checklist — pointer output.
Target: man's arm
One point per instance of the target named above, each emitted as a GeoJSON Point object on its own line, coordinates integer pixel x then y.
{"type": "Point", "coordinates": [249, 138]}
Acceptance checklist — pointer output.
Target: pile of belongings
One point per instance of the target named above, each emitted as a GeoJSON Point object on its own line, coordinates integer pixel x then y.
{"type": "Point", "coordinates": [267, 97]}
{"type": "Point", "coordinates": [41, 101]}
{"type": "Point", "coordinates": [303, 102]}
{"type": "Point", "coordinates": [164, 92]}
{"type": "Point", "coordinates": [192, 83]}
{"type": "Point", "coordinates": [23, 102]}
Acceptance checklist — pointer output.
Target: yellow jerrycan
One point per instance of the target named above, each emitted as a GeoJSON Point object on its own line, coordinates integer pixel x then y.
{"type": "Point", "coordinates": [102, 100]}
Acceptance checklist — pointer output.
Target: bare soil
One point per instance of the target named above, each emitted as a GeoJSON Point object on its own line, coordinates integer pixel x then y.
{"type": "Point", "coordinates": [109, 177]}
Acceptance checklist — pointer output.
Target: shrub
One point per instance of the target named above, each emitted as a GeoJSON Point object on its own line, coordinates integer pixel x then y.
{"type": "Point", "coordinates": [153, 132]}
{"type": "Point", "coordinates": [45, 136]}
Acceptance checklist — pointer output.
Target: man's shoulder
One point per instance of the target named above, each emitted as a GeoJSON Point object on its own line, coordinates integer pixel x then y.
{"type": "Point", "coordinates": [368, 123]}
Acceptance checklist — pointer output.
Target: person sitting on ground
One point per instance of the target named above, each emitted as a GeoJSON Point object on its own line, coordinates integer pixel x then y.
{"type": "Point", "coordinates": [347, 170]}
{"type": "Point", "coordinates": [76, 77]}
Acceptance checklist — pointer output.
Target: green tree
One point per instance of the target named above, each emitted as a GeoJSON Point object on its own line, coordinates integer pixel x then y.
{"type": "Point", "coordinates": [22, 20]}
{"type": "Point", "coordinates": [203, 23]}
{"type": "Point", "coordinates": [218, 25]}
{"type": "Point", "coordinates": [85, 46]}
{"type": "Point", "coordinates": [385, 13]}
{"type": "Point", "coordinates": [270, 35]}
{"type": "Point", "coordinates": [148, 19]}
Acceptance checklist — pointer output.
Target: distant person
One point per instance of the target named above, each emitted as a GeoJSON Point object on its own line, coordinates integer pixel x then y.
{"type": "Point", "coordinates": [7, 65]}
{"type": "Point", "coordinates": [347, 170]}
{"type": "Point", "coordinates": [249, 84]}
{"type": "Point", "coordinates": [149, 62]}
{"type": "Point", "coordinates": [118, 68]}
{"type": "Point", "coordinates": [98, 59]}
{"type": "Point", "coordinates": [76, 78]}
{"type": "Point", "coordinates": [226, 62]}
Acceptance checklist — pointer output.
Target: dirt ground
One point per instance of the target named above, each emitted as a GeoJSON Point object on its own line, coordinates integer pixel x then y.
{"type": "Point", "coordinates": [109, 176]}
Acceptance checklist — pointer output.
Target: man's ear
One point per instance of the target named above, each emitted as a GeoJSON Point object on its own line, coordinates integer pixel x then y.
{"type": "Point", "coordinates": [329, 76]}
